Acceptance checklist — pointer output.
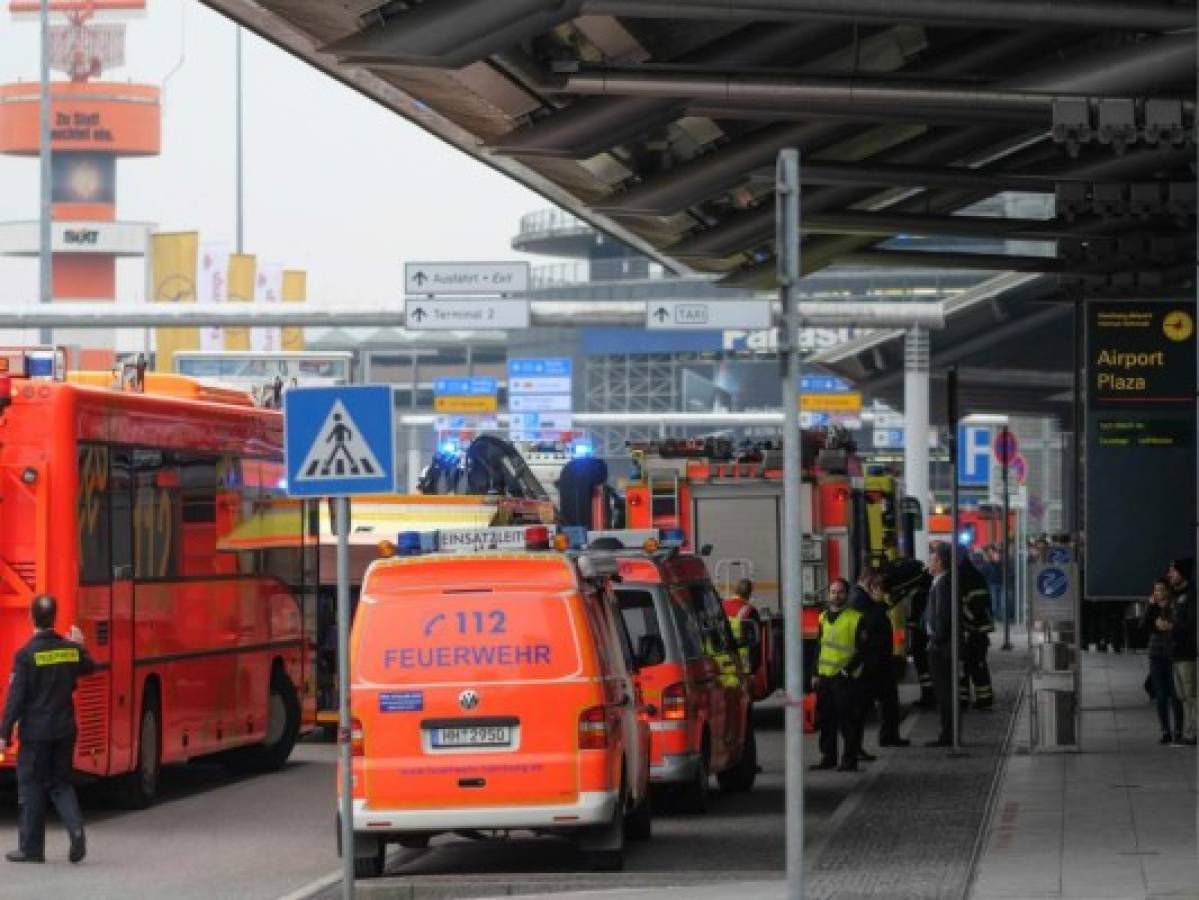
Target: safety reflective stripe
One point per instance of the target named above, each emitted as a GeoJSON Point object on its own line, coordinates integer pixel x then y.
{"type": "Point", "coordinates": [55, 657]}
{"type": "Point", "coordinates": [837, 641]}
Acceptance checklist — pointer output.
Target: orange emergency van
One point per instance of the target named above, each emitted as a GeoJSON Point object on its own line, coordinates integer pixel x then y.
{"type": "Point", "coordinates": [697, 696]}
{"type": "Point", "coordinates": [495, 692]}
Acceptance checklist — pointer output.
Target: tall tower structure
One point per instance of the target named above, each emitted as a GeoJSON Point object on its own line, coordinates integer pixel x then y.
{"type": "Point", "coordinates": [93, 124]}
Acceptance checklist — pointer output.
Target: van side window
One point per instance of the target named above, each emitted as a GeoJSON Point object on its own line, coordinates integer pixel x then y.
{"type": "Point", "coordinates": [619, 631]}
{"type": "Point", "coordinates": [713, 624]}
{"type": "Point", "coordinates": [688, 627]}
{"type": "Point", "coordinates": [601, 630]}
{"type": "Point", "coordinates": [639, 614]}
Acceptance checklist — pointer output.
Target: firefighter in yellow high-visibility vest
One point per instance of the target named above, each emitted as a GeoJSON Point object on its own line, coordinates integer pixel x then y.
{"type": "Point", "coordinates": [838, 667]}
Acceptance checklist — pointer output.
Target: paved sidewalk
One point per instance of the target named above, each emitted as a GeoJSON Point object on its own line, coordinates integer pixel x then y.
{"type": "Point", "coordinates": [1114, 822]}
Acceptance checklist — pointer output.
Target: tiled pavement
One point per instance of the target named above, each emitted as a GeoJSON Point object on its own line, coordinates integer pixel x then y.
{"type": "Point", "coordinates": [1114, 822]}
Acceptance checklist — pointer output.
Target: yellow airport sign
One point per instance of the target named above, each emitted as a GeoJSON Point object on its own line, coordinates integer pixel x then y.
{"type": "Point", "coordinates": [835, 402]}
{"type": "Point", "coordinates": [484, 403]}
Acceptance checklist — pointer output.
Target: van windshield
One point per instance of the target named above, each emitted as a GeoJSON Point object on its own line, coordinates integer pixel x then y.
{"type": "Point", "coordinates": [477, 636]}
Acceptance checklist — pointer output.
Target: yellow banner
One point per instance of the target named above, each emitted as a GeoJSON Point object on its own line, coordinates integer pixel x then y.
{"type": "Point", "coordinates": [173, 280]}
{"type": "Point", "coordinates": [484, 403]}
{"type": "Point", "coordinates": [243, 268]}
{"type": "Point", "coordinates": [295, 290]}
{"type": "Point", "coordinates": [847, 402]}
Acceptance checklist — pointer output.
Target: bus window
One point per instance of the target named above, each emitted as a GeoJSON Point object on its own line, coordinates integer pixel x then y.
{"type": "Point", "coordinates": [155, 516]}
{"type": "Point", "coordinates": [93, 515]}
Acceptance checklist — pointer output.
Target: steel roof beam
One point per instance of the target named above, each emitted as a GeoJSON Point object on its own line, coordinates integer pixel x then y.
{"type": "Point", "coordinates": [451, 34]}
{"type": "Point", "coordinates": [986, 262]}
{"type": "Point", "coordinates": [1079, 14]}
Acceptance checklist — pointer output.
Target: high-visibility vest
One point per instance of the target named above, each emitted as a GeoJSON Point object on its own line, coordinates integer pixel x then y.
{"type": "Point", "coordinates": [899, 631]}
{"type": "Point", "coordinates": [838, 641]}
{"type": "Point", "coordinates": [745, 611]}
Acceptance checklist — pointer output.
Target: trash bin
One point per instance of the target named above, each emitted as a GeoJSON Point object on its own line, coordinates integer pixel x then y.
{"type": "Point", "coordinates": [1055, 719]}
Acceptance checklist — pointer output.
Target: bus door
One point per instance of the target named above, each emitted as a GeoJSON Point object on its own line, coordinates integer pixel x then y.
{"type": "Point", "coordinates": [120, 623]}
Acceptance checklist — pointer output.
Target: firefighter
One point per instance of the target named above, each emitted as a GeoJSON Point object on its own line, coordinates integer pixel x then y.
{"type": "Point", "coordinates": [740, 608]}
{"type": "Point", "coordinates": [838, 667]}
{"type": "Point", "coordinates": [40, 700]}
{"type": "Point", "coordinates": [878, 672]}
{"type": "Point", "coordinates": [977, 625]}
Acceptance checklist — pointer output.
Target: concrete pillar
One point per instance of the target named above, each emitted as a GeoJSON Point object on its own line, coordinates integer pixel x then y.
{"type": "Point", "coordinates": [916, 426]}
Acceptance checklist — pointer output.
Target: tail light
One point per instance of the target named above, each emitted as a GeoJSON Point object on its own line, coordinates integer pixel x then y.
{"type": "Point", "coordinates": [357, 736]}
{"type": "Point", "coordinates": [537, 538]}
{"type": "Point", "coordinates": [674, 701]}
{"type": "Point", "coordinates": [593, 728]}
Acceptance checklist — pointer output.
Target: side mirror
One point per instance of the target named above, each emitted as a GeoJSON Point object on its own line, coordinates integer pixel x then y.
{"type": "Point", "coordinates": [650, 650]}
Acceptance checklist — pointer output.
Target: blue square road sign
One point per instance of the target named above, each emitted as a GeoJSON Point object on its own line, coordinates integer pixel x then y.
{"type": "Point", "coordinates": [339, 441]}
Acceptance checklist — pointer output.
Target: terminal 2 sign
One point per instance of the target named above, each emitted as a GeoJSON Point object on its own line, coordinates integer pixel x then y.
{"type": "Point", "coordinates": [1140, 459]}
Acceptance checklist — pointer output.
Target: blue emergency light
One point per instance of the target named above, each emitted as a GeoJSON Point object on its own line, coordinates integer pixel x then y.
{"type": "Point", "coordinates": [448, 447]}
{"type": "Point", "coordinates": [672, 537]}
{"type": "Point", "coordinates": [408, 543]}
{"type": "Point", "coordinates": [583, 450]}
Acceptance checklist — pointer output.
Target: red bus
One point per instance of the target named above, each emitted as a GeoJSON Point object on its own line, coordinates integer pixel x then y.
{"type": "Point", "coordinates": [115, 501]}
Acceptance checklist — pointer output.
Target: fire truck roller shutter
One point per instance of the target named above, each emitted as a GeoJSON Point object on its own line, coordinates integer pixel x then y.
{"type": "Point", "coordinates": [576, 486]}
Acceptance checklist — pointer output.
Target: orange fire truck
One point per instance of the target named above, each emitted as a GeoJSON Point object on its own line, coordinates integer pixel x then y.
{"type": "Point", "coordinates": [728, 506]}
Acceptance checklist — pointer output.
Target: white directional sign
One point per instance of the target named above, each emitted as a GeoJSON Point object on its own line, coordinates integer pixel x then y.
{"type": "Point", "coordinates": [442, 278]}
{"type": "Point", "coordinates": [462, 315]}
{"type": "Point", "coordinates": [539, 402]}
{"type": "Point", "coordinates": [709, 314]}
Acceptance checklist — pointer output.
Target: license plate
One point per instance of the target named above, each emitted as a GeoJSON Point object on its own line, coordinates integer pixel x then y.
{"type": "Point", "coordinates": [473, 736]}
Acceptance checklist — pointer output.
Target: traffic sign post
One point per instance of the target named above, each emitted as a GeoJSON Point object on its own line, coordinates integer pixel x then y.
{"type": "Point", "coordinates": [1005, 450]}
{"type": "Point", "coordinates": [540, 398]}
{"type": "Point", "coordinates": [682, 315]}
{"type": "Point", "coordinates": [465, 314]}
{"type": "Point", "coordinates": [464, 278]}
{"type": "Point", "coordinates": [340, 441]}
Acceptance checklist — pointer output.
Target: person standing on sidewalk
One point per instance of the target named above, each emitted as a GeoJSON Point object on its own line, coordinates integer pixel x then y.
{"type": "Point", "coordinates": [41, 700]}
{"type": "Point", "coordinates": [938, 625]}
{"type": "Point", "coordinates": [1183, 639]}
{"type": "Point", "coordinates": [1158, 623]}
{"type": "Point", "coordinates": [838, 665]}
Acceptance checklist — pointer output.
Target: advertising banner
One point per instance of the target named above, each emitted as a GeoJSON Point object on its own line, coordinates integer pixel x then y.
{"type": "Point", "coordinates": [212, 286]}
{"type": "Point", "coordinates": [268, 289]}
{"type": "Point", "coordinates": [295, 290]}
{"type": "Point", "coordinates": [173, 280]}
{"type": "Point", "coordinates": [1140, 452]}
{"type": "Point", "coordinates": [243, 268]}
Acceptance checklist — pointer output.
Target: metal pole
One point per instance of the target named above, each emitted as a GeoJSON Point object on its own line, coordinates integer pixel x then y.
{"type": "Point", "coordinates": [1007, 547]}
{"type": "Point", "coordinates": [951, 385]}
{"type": "Point", "coordinates": [343, 697]}
{"type": "Point", "coordinates": [787, 235]}
{"type": "Point", "coordinates": [916, 420]}
{"type": "Point", "coordinates": [240, 171]}
{"type": "Point", "coordinates": [1076, 511]}
{"type": "Point", "coordinates": [45, 248]}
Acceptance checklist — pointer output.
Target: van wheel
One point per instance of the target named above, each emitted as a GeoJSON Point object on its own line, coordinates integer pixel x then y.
{"type": "Point", "coordinates": [740, 778]}
{"type": "Point", "coordinates": [603, 847]}
{"type": "Point", "coordinates": [639, 822]}
{"type": "Point", "coordinates": [282, 729]}
{"type": "Point", "coordinates": [139, 788]}
{"type": "Point", "coordinates": [693, 796]}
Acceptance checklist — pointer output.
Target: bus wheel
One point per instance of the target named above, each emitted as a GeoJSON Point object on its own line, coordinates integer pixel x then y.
{"type": "Point", "coordinates": [140, 787]}
{"type": "Point", "coordinates": [282, 728]}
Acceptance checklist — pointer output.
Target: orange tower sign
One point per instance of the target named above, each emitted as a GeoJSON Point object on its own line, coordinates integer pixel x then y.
{"type": "Point", "coordinates": [93, 123]}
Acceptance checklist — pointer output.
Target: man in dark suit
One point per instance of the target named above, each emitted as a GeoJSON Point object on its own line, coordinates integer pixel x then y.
{"type": "Point", "coordinates": [938, 626]}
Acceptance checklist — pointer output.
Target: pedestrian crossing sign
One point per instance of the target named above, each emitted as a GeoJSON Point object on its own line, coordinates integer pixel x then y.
{"type": "Point", "coordinates": [339, 441]}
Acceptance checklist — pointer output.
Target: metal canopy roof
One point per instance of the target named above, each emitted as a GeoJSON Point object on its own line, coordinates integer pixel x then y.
{"type": "Point", "coordinates": [659, 120]}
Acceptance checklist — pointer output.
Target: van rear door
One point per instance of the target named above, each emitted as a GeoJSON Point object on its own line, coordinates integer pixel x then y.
{"type": "Point", "coordinates": [470, 695]}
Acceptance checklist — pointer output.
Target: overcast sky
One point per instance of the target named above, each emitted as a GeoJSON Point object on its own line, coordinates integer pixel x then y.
{"type": "Point", "coordinates": [334, 183]}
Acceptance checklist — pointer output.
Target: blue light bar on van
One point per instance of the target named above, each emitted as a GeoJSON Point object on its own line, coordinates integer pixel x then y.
{"type": "Point", "coordinates": [448, 447]}
{"type": "Point", "coordinates": [576, 534]}
{"type": "Point", "coordinates": [672, 537]}
{"type": "Point", "coordinates": [408, 543]}
{"type": "Point", "coordinates": [583, 450]}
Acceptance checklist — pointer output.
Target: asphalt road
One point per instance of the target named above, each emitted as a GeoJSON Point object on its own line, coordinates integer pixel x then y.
{"type": "Point", "coordinates": [264, 837]}
{"type": "Point", "coordinates": [211, 835]}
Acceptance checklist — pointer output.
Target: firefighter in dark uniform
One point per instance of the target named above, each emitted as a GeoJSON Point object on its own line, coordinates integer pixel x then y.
{"type": "Point", "coordinates": [977, 625]}
{"type": "Point", "coordinates": [40, 700]}
{"type": "Point", "coordinates": [916, 586]}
